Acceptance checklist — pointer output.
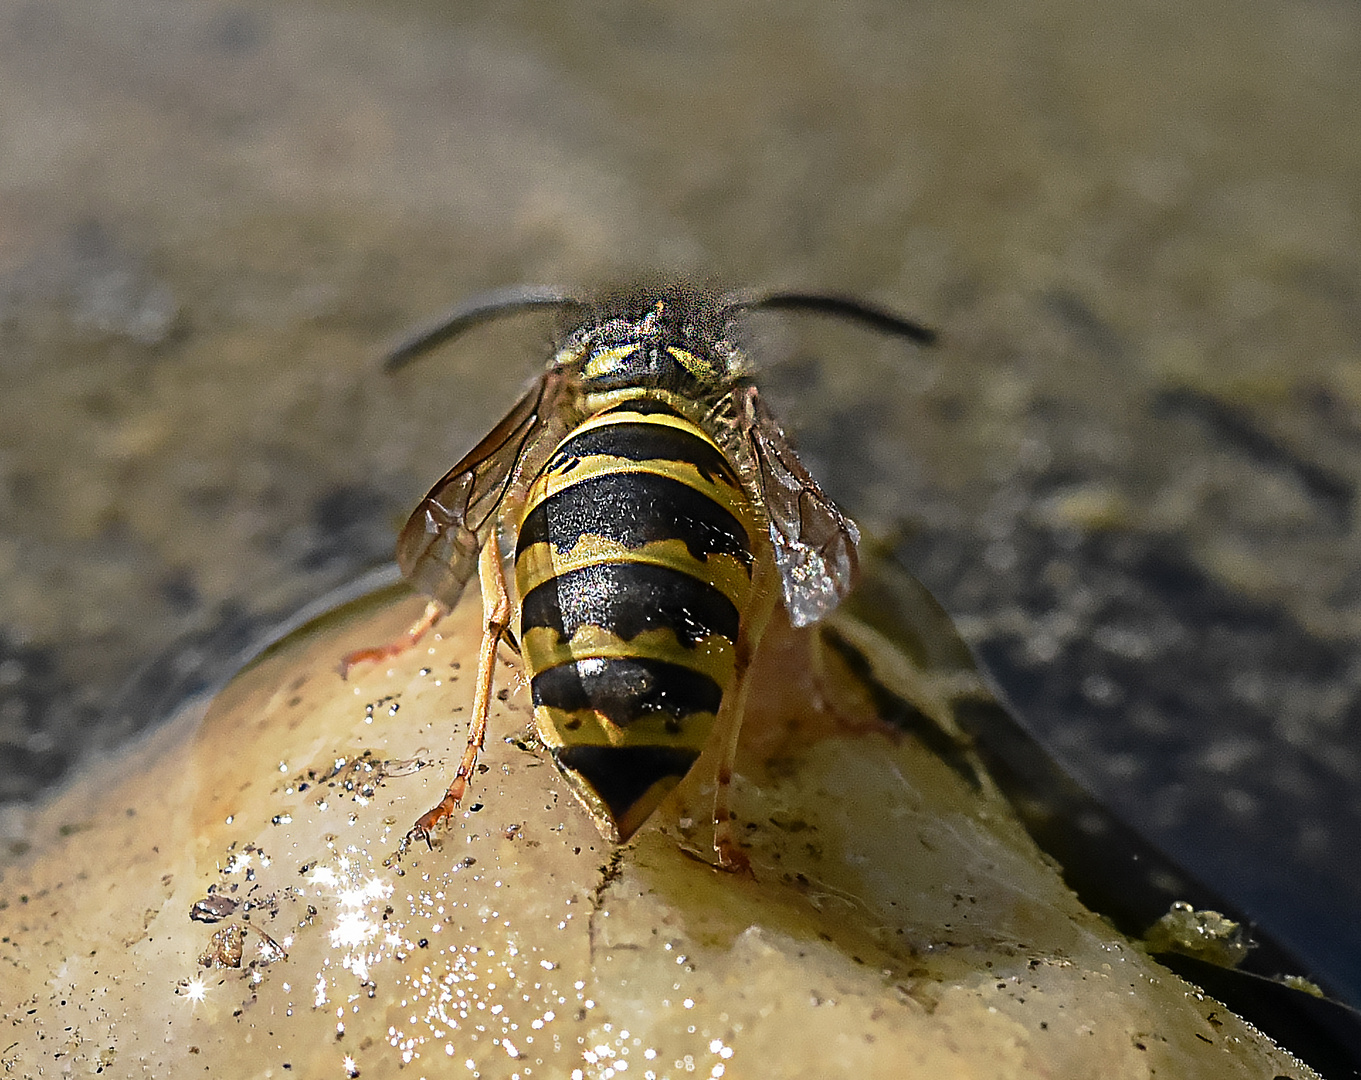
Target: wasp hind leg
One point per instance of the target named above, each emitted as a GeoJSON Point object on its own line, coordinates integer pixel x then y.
{"type": "Point", "coordinates": [728, 723]}
{"type": "Point", "coordinates": [495, 622]}
{"type": "Point", "coordinates": [433, 613]}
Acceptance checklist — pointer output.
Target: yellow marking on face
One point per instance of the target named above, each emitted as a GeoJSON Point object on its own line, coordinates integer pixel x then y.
{"type": "Point", "coordinates": [608, 361]}
{"type": "Point", "coordinates": [703, 370]}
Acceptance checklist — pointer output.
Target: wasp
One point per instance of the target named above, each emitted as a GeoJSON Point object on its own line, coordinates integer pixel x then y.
{"type": "Point", "coordinates": [653, 513]}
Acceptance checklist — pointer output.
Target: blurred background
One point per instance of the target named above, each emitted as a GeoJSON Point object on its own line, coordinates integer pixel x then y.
{"type": "Point", "coordinates": [1129, 472]}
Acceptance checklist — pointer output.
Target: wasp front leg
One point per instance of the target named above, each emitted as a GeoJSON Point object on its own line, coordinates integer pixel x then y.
{"type": "Point", "coordinates": [495, 623]}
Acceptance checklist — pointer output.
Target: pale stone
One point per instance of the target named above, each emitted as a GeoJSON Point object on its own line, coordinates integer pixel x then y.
{"type": "Point", "coordinates": [899, 922]}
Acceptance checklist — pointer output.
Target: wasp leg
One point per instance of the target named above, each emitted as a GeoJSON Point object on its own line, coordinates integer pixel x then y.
{"type": "Point", "coordinates": [434, 611]}
{"type": "Point", "coordinates": [827, 697]}
{"type": "Point", "coordinates": [764, 589]}
{"type": "Point", "coordinates": [495, 621]}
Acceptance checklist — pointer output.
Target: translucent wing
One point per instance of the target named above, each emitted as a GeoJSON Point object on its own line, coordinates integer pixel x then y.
{"type": "Point", "coordinates": [440, 543]}
{"type": "Point", "coordinates": [814, 542]}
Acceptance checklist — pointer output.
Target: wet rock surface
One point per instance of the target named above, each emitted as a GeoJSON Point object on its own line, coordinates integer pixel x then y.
{"type": "Point", "coordinates": [1129, 470]}
{"type": "Point", "coordinates": [232, 898]}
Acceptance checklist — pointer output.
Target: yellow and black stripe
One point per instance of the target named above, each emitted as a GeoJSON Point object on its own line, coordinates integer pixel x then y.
{"type": "Point", "coordinates": [633, 564]}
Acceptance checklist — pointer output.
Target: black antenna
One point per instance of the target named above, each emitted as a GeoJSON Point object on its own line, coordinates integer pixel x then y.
{"type": "Point", "coordinates": [477, 309]}
{"type": "Point", "coordinates": [842, 307]}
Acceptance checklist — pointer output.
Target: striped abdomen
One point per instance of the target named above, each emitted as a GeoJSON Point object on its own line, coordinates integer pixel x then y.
{"type": "Point", "coordinates": [633, 565]}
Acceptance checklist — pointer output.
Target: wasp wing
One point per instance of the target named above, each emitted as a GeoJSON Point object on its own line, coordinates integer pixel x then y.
{"type": "Point", "coordinates": [439, 546]}
{"type": "Point", "coordinates": [814, 542]}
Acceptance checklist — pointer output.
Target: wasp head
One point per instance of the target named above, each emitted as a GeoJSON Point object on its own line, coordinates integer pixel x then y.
{"type": "Point", "coordinates": [671, 340]}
